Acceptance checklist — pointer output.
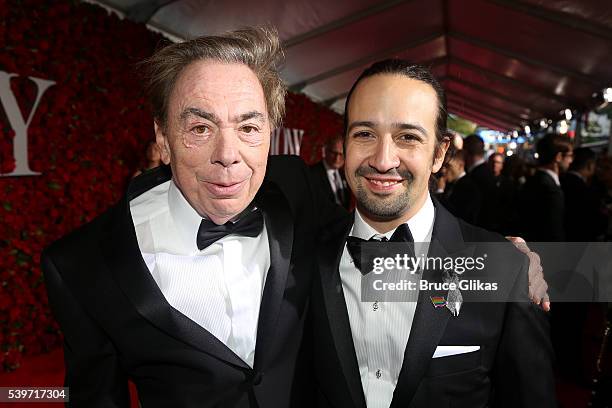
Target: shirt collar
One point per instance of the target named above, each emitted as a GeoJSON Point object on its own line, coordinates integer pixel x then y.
{"type": "Point", "coordinates": [575, 173]}
{"type": "Point", "coordinates": [421, 224]}
{"type": "Point", "coordinates": [476, 164]}
{"type": "Point", "coordinates": [185, 217]}
{"type": "Point", "coordinates": [329, 169]}
{"type": "Point", "coordinates": [552, 174]}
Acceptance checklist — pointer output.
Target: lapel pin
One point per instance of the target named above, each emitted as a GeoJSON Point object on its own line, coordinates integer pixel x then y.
{"type": "Point", "coordinates": [438, 301]}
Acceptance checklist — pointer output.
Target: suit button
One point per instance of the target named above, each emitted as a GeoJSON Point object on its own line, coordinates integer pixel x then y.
{"type": "Point", "coordinates": [257, 378]}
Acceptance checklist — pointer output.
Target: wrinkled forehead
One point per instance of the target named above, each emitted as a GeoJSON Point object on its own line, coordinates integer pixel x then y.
{"type": "Point", "coordinates": [213, 84]}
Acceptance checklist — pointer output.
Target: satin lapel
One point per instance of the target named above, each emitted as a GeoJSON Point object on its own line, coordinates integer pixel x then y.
{"type": "Point", "coordinates": [126, 264]}
{"type": "Point", "coordinates": [329, 260]}
{"type": "Point", "coordinates": [279, 224]}
{"type": "Point", "coordinates": [429, 322]}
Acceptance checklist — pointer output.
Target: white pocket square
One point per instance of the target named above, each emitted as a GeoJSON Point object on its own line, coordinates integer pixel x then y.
{"type": "Point", "coordinates": [445, 351]}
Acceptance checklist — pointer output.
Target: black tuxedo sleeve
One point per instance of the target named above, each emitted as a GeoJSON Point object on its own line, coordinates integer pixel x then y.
{"type": "Point", "coordinates": [93, 372]}
{"type": "Point", "coordinates": [523, 372]}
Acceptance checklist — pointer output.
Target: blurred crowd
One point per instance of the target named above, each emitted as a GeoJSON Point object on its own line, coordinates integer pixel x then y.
{"type": "Point", "coordinates": [563, 196]}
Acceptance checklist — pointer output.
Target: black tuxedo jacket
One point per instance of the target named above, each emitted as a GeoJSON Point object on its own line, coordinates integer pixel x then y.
{"type": "Point", "coordinates": [117, 324]}
{"type": "Point", "coordinates": [463, 199]}
{"type": "Point", "coordinates": [543, 209]}
{"type": "Point", "coordinates": [489, 216]}
{"type": "Point", "coordinates": [513, 367]}
{"type": "Point", "coordinates": [584, 220]}
{"type": "Point", "coordinates": [321, 181]}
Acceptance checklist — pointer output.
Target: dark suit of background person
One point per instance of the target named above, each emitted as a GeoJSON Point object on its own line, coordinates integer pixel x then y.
{"type": "Point", "coordinates": [543, 217]}
{"type": "Point", "coordinates": [543, 208]}
{"type": "Point", "coordinates": [542, 199]}
{"type": "Point", "coordinates": [328, 174]}
{"type": "Point", "coordinates": [511, 369]}
{"type": "Point", "coordinates": [461, 195]}
{"type": "Point", "coordinates": [116, 320]}
{"type": "Point", "coordinates": [584, 221]}
{"type": "Point", "coordinates": [320, 180]}
{"type": "Point", "coordinates": [480, 173]}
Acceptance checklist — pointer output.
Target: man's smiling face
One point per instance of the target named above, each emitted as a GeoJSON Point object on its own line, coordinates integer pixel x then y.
{"type": "Point", "coordinates": [390, 145]}
{"type": "Point", "coordinates": [217, 137]}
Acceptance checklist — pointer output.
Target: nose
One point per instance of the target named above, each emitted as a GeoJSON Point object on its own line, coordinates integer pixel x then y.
{"type": "Point", "coordinates": [385, 157]}
{"type": "Point", "coordinates": [226, 150]}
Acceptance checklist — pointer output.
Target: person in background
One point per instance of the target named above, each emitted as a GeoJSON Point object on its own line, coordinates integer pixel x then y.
{"type": "Point", "coordinates": [328, 174]}
{"type": "Point", "coordinates": [542, 200]}
{"type": "Point", "coordinates": [506, 212]}
{"type": "Point", "coordinates": [584, 220]}
{"type": "Point", "coordinates": [482, 175]}
{"type": "Point", "coordinates": [515, 170]}
{"type": "Point", "coordinates": [461, 196]}
{"type": "Point", "coordinates": [153, 156]}
{"type": "Point", "coordinates": [602, 185]}
{"type": "Point", "coordinates": [496, 162]}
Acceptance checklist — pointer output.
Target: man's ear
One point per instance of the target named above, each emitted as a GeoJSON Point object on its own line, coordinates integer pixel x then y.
{"type": "Point", "coordinates": [162, 143]}
{"type": "Point", "coordinates": [439, 154]}
{"type": "Point", "coordinates": [558, 157]}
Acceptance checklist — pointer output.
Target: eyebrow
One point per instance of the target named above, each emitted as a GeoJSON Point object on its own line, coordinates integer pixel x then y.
{"type": "Point", "coordinates": [410, 126]}
{"type": "Point", "coordinates": [363, 123]}
{"type": "Point", "coordinates": [215, 119]}
{"type": "Point", "coordinates": [396, 125]}
{"type": "Point", "coordinates": [199, 112]}
{"type": "Point", "coordinates": [251, 115]}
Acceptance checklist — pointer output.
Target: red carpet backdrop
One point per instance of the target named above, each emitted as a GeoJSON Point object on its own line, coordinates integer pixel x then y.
{"type": "Point", "coordinates": [71, 96]}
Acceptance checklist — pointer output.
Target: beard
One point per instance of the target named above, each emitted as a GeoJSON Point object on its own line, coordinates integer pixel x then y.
{"type": "Point", "coordinates": [383, 206]}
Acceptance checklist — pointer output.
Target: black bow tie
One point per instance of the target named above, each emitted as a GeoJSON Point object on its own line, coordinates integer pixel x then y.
{"type": "Point", "coordinates": [353, 244]}
{"type": "Point", "coordinates": [249, 224]}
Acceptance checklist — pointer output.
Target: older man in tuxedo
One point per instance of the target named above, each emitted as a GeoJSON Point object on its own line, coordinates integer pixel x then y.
{"type": "Point", "coordinates": [414, 354]}
{"type": "Point", "coordinates": [195, 286]}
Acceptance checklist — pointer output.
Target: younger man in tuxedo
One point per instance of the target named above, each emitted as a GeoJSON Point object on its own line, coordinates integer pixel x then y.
{"type": "Point", "coordinates": [413, 354]}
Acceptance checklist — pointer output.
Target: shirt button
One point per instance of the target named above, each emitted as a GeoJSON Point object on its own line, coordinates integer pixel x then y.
{"type": "Point", "coordinates": [378, 374]}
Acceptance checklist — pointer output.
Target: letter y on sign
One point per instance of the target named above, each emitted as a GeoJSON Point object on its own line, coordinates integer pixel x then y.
{"type": "Point", "coordinates": [18, 123]}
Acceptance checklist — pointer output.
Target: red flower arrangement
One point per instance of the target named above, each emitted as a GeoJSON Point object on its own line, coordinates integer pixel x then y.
{"type": "Point", "coordinates": [87, 137]}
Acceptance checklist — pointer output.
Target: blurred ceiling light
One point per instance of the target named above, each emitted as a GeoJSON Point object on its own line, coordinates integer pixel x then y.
{"type": "Point", "coordinates": [527, 130]}
{"type": "Point", "coordinates": [607, 94]}
{"type": "Point", "coordinates": [512, 145]}
{"type": "Point", "coordinates": [568, 114]}
{"type": "Point", "coordinates": [543, 123]}
{"type": "Point", "coordinates": [509, 153]}
{"type": "Point", "coordinates": [563, 127]}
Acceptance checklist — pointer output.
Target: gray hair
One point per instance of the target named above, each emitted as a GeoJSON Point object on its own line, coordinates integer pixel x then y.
{"type": "Point", "coordinates": [258, 48]}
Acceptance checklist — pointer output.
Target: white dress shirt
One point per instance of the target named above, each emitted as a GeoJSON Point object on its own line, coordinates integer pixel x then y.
{"type": "Point", "coordinates": [552, 175]}
{"type": "Point", "coordinates": [220, 287]}
{"type": "Point", "coordinates": [380, 330]}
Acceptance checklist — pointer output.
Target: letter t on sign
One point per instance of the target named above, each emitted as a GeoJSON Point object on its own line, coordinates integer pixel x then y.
{"type": "Point", "coordinates": [19, 125]}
